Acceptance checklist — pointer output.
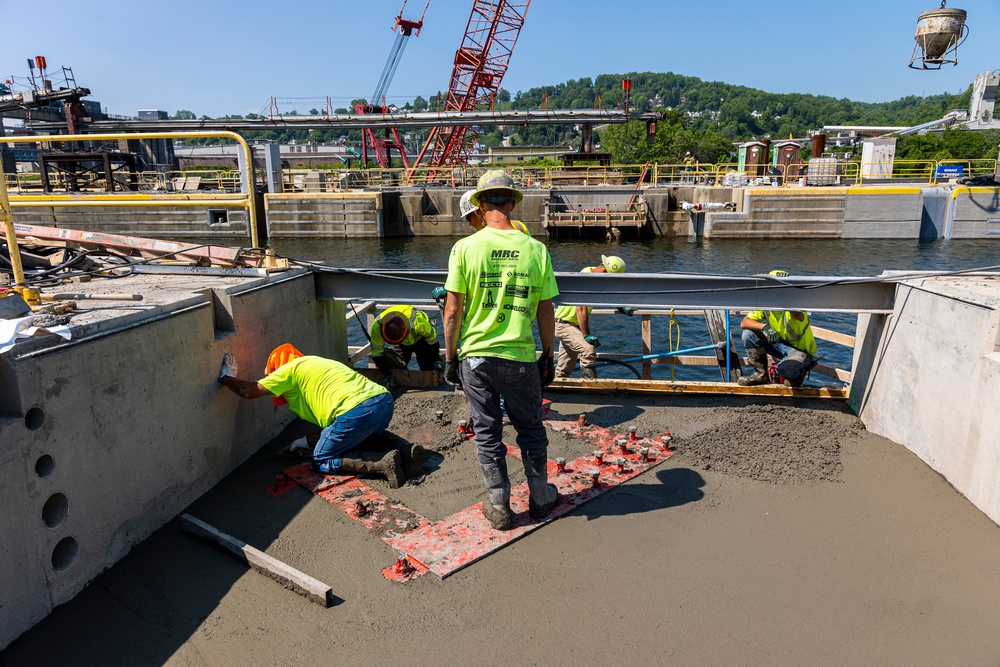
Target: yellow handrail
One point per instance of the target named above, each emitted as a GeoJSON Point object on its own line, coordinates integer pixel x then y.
{"type": "Point", "coordinates": [247, 201]}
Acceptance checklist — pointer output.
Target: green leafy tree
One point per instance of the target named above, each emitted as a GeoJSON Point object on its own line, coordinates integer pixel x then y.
{"type": "Point", "coordinates": [184, 114]}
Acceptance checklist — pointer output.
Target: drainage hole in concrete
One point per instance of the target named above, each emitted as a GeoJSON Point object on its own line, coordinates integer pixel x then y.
{"type": "Point", "coordinates": [64, 554]}
{"type": "Point", "coordinates": [33, 418]}
{"type": "Point", "coordinates": [44, 465]}
{"type": "Point", "coordinates": [55, 510]}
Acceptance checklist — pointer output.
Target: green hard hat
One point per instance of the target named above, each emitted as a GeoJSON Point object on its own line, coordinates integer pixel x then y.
{"type": "Point", "coordinates": [495, 179]}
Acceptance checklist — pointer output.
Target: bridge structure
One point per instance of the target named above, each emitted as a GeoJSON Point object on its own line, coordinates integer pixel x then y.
{"type": "Point", "coordinates": [362, 121]}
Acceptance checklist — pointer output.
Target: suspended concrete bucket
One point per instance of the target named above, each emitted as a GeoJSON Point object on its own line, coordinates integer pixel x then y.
{"type": "Point", "coordinates": [939, 33]}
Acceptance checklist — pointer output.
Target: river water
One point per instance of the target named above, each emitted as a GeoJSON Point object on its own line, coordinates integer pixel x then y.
{"type": "Point", "coordinates": [621, 334]}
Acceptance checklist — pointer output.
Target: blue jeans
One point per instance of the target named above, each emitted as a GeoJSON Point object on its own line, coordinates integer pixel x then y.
{"type": "Point", "coordinates": [488, 379]}
{"type": "Point", "coordinates": [369, 418]}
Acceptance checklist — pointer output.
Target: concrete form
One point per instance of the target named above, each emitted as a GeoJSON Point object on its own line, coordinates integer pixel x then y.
{"type": "Point", "coordinates": [111, 434]}
{"type": "Point", "coordinates": [928, 377]}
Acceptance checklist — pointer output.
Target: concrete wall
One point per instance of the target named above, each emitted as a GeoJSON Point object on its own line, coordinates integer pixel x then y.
{"type": "Point", "coordinates": [782, 213]}
{"type": "Point", "coordinates": [974, 213]}
{"type": "Point", "coordinates": [928, 377]}
{"type": "Point", "coordinates": [324, 215]}
{"type": "Point", "coordinates": [153, 221]}
{"type": "Point", "coordinates": [106, 438]}
{"type": "Point", "coordinates": [891, 213]}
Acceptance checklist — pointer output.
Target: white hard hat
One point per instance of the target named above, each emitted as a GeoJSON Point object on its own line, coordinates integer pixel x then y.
{"type": "Point", "coordinates": [466, 206]}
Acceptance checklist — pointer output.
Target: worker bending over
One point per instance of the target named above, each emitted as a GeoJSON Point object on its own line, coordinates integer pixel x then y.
{"type": "Point", "coordinates": [499, 282]}
{"type": "Point", "coordinates": [399, 332]}
{"type": "Point", "coordinates": [786, 336]}
{"type": "Point", "coordinates": [347, 406]}
{"type": "Point", "coordinates": [573, 328]}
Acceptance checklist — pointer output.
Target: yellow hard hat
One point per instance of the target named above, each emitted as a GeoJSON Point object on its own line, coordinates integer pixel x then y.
{"type": "Point", "coordinates": [779, 273]}
{"type": "Point", "coordinates": [613, 264]}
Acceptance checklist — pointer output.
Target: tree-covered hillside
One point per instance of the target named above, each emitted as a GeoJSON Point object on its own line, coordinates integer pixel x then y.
{"type": "Point", "coordinates": [704, 117]}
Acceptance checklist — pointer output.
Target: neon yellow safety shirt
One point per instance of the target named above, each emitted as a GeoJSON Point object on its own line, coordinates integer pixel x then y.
{"type": "Point", "coordinates": [420, 327]}
{"type": "Point", "coordinates": [320, 390]}
{"type": "Point", "coordinates": [503, 275]}
{"type": "Point", "coordinates": [796, 333]}
{"type": "Point", "coordinates": [568, 313]}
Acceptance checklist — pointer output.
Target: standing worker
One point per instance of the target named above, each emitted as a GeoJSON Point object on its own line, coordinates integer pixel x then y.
{"type": "Point", "coordinates": [573, 328]}
{"type": "Point", "coordinates": [347, 406]}
{"type": "Point", "coordinates": [399, 332]}
{"type": "Point", "coordinates": [689, 163]}
{"type": "Point", "coordinates": [784, 334]}
{"type": "Point", "coordinates": [499, 282]}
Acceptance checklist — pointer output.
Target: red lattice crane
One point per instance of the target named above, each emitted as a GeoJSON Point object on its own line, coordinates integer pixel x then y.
{"type": "Point", "coordinates": [480, 64]}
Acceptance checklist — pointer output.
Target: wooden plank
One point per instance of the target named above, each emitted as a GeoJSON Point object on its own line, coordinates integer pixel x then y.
{"type": "Point", "coordinates": [647, 346]}
{"type": "Point", "coordinates": [831, 372]}
{"type": "Point", "coordinates": [287, 576]}
{"type": "Point", "coordinates": [610, 386]}
{"type": "Point", "coordinates": [834, 336]}
{"type": "Point", "coordinates": [405, 378]}
{"type": "Point", "coordinates": [355, 310]}
{"type": "Point", "coordinates": [716, 321]}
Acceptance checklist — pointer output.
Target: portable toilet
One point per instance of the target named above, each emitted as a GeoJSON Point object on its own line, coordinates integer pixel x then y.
{"type": "Point", "coordinates": [787, 158]}
{"type": "Point", "coordinates": [756, 158]}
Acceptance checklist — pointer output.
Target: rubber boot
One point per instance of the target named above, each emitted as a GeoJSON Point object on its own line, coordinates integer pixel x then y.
{"type": "Point", "coordinates": [389, 464]}
{"type": "Point", "coordinates": [757, 357]}
{"type": "Point", "coordinates": [542, 496]}
{"type": "Point", "coordinates": [496, 505]}
{"type": "Point", "coordinates": [588, 373]}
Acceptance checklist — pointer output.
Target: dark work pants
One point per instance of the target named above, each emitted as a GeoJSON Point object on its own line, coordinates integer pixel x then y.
{"type": "Point", "coordinates": [427, 354]}
{"type": "Point", "coordinates": [485, 380]}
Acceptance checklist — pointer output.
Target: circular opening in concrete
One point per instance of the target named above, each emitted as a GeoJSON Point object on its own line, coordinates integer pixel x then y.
{"type": "Point", "coordinates": [64, 554]}
{"type": "Point", "coordinates": [44, 465]}
{"type": "Point", "coordinates": [55, 510]}
{"type": "Point", "coordinates": [34, 418]}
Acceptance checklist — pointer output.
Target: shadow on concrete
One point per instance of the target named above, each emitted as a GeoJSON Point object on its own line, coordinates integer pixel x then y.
{"type": "Point", "coordinates": [144, 608]}
{"type": "Point", "coordinates": [673, 487]}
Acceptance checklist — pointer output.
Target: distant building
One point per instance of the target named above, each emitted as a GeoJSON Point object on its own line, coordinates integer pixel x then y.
{"type": "Point", "coordinates": [515, 154]}
{"type": "Point", "coordinates": [153, 114]}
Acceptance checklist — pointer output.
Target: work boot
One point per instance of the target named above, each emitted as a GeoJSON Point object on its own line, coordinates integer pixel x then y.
{"type": "Point", "coordinates": [588, 373]}
{"type": "Point", "coordinates": [390, 465]}
{"type": "Point", "coordinates": [757, 357]}
{"type": "Point", "coordinates": [542, 496]}
{"type": "Point", "coordinates": [414, 461]}
{"type": "Point", "coordinates": [496, 505]}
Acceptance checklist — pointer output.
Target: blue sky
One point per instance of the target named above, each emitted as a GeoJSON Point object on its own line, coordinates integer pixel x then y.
{"type": "Point", "coordinates": [220, 56]}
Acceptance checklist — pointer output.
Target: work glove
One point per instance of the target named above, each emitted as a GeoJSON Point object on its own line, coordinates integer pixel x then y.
{"type": "Point", "coordinates": [546, 369]}
{"type": "Point", "coordinates": [593, 340]}
{"type": "Point", "coordinates": [440, 295]}
{"type": "Point", "coordinates": [228, 366]}
{"type": "Point", "coordinates": [439, 365]}
{"type": "Point", "coordinates": [625, 310]}
{"type": "Point", "coordinates": [770, 334]}
{"type": "Point", "coordinates": [451, 375]}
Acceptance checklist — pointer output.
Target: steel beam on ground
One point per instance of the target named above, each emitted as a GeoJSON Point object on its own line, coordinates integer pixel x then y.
{"type": "Point", "coordinates": [662, 290]}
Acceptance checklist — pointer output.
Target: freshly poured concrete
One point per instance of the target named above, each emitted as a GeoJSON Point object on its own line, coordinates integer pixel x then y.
{"type": "Point", "coordinates": [856, 553]}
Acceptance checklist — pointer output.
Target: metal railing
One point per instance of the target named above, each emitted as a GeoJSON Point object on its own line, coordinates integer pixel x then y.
{"type": "Point", "coordinates": [243, 197]}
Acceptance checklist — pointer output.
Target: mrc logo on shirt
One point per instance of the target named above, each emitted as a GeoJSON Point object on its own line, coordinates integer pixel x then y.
{"type": "Point", "coordinates": [505, 254]}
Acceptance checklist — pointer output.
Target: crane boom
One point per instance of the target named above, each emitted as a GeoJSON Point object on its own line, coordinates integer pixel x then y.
{"type": "Point", "coordinates": [480, 64]}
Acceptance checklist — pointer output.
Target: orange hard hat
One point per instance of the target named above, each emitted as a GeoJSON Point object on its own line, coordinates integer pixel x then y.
{"type": "Point", "coordinates": [280, 356]}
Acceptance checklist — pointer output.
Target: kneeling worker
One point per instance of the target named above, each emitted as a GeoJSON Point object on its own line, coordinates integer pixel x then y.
{"type": "Point", "coordinates": [399, 332]}
{"type": "Point", "coordinates": [347, 406]}
{"type": "Point", "coordinates": [573, 328]}
{"type": "Point", "coordinates": [784, 334]}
